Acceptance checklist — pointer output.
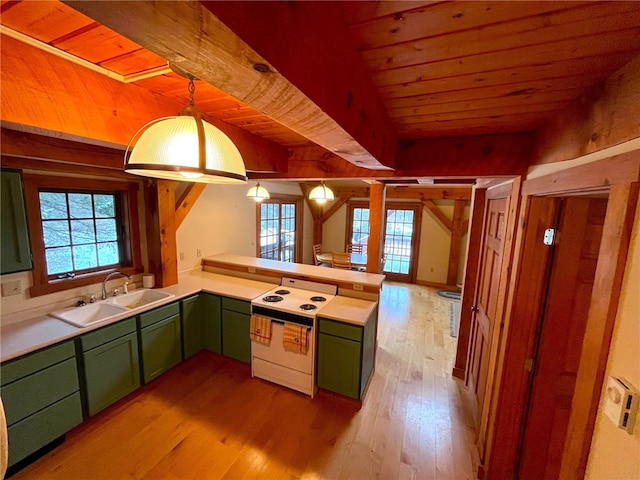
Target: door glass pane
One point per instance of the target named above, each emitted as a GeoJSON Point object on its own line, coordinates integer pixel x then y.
{"type": "Point", "coordinates": [397, 241]}
{"type": "Point", "coordinates": [360, 227]}
{"type": "Point", "coordinates": [277, 231]}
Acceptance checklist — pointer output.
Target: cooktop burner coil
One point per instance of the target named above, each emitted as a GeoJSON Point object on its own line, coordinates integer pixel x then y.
{"type": "Point", "coordinates": [273, 298]}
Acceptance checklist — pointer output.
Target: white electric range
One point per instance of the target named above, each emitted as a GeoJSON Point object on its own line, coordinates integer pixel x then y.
{"type": "Point", "coordinates": [296, 302]}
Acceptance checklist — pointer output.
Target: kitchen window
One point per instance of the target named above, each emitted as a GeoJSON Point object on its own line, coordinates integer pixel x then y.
{"type": "Point", "coordinates": [279, 222]}
{"type": "Point", "coordinates": [80, 229]}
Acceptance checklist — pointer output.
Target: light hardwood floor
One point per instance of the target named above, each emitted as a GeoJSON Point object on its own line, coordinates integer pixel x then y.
{"type": "Point", "coordinates": [208, 419]}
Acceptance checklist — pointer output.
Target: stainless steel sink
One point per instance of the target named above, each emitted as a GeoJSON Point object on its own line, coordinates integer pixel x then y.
{"type": "Point", "coordinates": [89, 314]}
{"type": "Point", "coordinates": [139, 298]}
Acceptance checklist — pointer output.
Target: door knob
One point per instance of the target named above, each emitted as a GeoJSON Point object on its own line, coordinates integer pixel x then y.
{"type": "Point", "coordinates": [475, 309]}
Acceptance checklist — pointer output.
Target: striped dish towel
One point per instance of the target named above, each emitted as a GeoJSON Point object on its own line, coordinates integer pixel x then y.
{"type": "Point", "coordinates": [260, 329]}
{"type": "Point", "coordinates": [295, 338]}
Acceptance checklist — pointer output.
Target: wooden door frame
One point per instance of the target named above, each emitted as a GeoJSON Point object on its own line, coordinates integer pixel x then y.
{"type": "Point", "coordinates": [618, 176]}
{"type": "Point", "coordinates": [509, 190]}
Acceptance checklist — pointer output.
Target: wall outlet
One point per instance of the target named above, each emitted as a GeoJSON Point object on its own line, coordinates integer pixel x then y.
{"type": "Point", "coordinates": [357, 287]}
{"type": "Point", "coordinates": [11, 288]}
{"type": "Point", "coordinates": [198, 253]}
{"type": "Point", "coordinates": [181, 255]}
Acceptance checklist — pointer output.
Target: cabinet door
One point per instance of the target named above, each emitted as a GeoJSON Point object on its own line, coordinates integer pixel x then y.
{"type": "Point", "coordinates": [112, 371]}
{"type": "Point", "coordinates": [193, 333]}
{"type": "Point", "coordinates": [235, 336]}
{"type": "Point", "coordinates": [160, 347]}
{"type": "Point", "coordinates": [211, 313]}
{"type": "Point", "coordinates": [15, 251]}
{"type": "Point", "coordinates": [339, 365]}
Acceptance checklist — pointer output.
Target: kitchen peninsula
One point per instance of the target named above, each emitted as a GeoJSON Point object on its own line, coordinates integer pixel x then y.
{"type": "Point", "coordinates": [85, 370]}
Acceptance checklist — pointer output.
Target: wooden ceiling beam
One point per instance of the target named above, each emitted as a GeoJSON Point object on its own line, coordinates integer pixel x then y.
{"type": "Point", "coordinates": [293, 82]}
{"type": "Point", "coordinates": [455, 157]}
{"type": "Point", "coordinates": [54, 95]}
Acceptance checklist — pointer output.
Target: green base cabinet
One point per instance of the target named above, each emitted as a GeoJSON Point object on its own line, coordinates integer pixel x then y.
{"type": "Point", "coordinates": [236, 316]}
{"type": "Point", "coordinates": [211, 306]}
{"type": "Point", "coordinates": [193, 334]}
{"type": "Point", "coordinates": [160, 340]}
{"type": "Point", "coordinates": [201, 324]}
{"type": "Point", "coordinates": [41, 397]}
{"type": "Point", "coordinates": [110, 364]}
{"type": "Point", "coordinates": [346, 356]}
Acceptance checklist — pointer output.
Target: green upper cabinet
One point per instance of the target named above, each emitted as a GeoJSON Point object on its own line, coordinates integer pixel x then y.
{"type": "Point", "coordinates": [16, 254]}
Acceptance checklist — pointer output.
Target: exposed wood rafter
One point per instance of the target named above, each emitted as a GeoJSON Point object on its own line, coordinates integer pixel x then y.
{"type": "Point", "coordinates": [357, 127]}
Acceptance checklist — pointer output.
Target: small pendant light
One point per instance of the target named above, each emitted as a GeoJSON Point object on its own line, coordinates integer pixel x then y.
{"type": "Point", "coordinates": [321, 193]}
{"type": "Point", "coordinates": [258, 193]}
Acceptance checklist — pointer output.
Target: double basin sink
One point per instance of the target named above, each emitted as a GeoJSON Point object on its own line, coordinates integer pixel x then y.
{"type": "Point", "coordinates": [105, 310]}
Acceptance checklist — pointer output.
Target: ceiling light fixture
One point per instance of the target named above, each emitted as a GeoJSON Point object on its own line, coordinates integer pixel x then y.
{"type": "Point", "coordinates": [258, 193]}
{"type": "Point", "coordinates": [321, 193]}
{"type": "Point", "coordinates": [186, 148]}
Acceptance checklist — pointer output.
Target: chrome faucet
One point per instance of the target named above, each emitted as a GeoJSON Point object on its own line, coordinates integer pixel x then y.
{"type": "Point", "coordinates": [104, 282]}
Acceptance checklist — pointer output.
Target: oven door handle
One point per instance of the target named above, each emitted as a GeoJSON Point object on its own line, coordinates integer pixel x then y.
{"type": "Point", "coordinates": [282, 322]}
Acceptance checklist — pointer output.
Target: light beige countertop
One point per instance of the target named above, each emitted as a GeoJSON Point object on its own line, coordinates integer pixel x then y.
{"type": "Point", "coordinates": [40, 330]}
{"type": "Point", "coordinates": [310, 272]}
{"type": "Point", "coordinates": [348, 310]}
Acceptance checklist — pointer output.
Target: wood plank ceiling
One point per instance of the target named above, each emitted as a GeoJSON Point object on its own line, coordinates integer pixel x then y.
{"type": "Point", "coordinates": [440, 69]}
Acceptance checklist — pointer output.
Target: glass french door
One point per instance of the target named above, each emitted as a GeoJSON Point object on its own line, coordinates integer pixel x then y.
{"type": "Point", "coordinates": [277, 231]}
{"type": "Point", "coordinates": [402, 224]}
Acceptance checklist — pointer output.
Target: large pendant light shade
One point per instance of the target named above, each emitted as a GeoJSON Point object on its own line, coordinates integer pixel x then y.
{"type": "Point", "coordinates": [187, 148]}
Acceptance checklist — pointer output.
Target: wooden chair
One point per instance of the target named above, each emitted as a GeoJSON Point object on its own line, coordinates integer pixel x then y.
{"type": "Point", "coordinates": [353, 248]}
{"type": "Point", "coordinates": [317, 250]}
{"type": "Point", "coordinates": [341, 260]}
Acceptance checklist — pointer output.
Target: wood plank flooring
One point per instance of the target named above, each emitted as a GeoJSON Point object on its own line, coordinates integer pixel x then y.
{"type": "Point", "coordinates": [208, 419]}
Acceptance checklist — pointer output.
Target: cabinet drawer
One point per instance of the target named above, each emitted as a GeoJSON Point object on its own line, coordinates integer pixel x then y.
{"type": "Point", "coordinates": [339, 329]}
{"type": "Point", "coordinates": [35, 431]}
{"type": "Point", "coordinates": [240, 306]}
{"type": "Point", "coordinates": [149, 318]}
{"type": "Point", "coordinates": [34, 392]}
{"type": "Point", "coordinates": [21, 367]}
{"type": "Point", "coordinates": [106, 334]}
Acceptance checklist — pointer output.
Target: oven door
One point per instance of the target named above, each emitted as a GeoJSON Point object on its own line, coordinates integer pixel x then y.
{"type": "Point", "coordinates": [275, 353]}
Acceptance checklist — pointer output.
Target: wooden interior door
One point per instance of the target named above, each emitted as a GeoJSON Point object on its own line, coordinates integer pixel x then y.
{"type": "Point", "coordinates": [486, 302]}
{"type": "Point", "coordinates": [561, 336]}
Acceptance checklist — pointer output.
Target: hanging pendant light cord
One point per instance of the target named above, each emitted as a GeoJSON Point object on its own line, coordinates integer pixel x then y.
{"type": "Point", "coordinates": [192, 91]}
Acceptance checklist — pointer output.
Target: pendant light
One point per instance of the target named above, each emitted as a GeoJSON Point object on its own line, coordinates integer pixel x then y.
{"type": "Point", "coordinates": [258, 193]}
{"type": "Point", "coordinates": [321, 193]}
{"type": "Point", "coordinates": [184, 147]}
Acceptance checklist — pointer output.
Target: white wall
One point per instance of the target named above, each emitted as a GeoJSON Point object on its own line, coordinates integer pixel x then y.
{"type": "Point", "coordinates": [614, 453]}
{"type": "Point", "coordinates": [223, 220]}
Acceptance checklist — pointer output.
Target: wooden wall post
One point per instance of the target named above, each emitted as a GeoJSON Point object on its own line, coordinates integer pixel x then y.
{"type": "Point", "coordinates": [376, 225]}
{"type": "Point", "coordinates": [160, 206]}
{"type": "Point", "coordinates": [457, 230]}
